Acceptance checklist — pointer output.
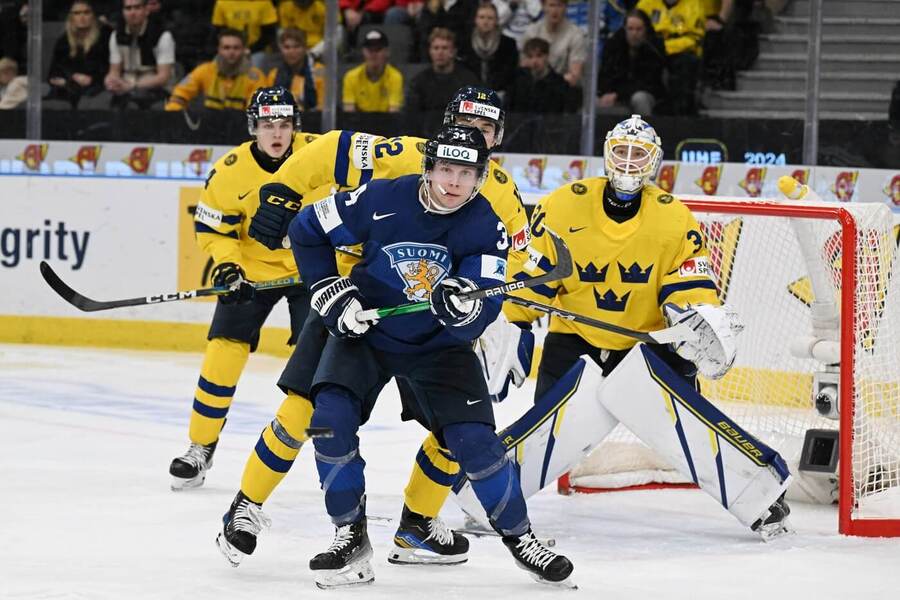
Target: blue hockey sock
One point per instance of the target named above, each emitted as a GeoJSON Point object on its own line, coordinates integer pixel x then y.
{"type": "Point", "coordinates": [337, 458]}
{"type": "Point", "coordinates": [494, 479]}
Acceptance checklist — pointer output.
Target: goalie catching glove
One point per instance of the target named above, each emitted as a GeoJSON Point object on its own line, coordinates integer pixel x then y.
{"type": "Point", "coordinates": [337, 300]}
{"type": "Point", "coordinates": [448, 308]}
{"type": "Point", "coordinates": [278, 205]}
{"type": "Point", "coordinates": [505, 351]}
{"type": "Point", "coordinates": [717, 329]}
{"type": "Point", "coordinates": [230, 275]}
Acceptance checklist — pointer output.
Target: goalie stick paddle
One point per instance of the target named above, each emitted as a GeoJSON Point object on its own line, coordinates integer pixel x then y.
{"type": "Point", "coordinates": [677, 333]}
{"type": "Point", "coordinates": [561, 270]}
{"type": "Point", "coordinates": [88, 305]}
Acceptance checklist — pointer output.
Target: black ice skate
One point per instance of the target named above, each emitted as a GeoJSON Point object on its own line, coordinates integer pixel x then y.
{"type": "Point", "coordinates": [775, 523]}
{"type": "Point", "coordinates": [346, 562]}
{"type": "Point", "coordinates": [423, 540]}
{"type": "Point", "coordinates": [240, 526]}
{"type": "Point", "coordinates": [189, 471]}
{"type": "Point", "coordinates": [544, 565]}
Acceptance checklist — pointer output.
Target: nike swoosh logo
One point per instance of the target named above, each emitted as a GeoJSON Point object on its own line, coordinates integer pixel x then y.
{"type": "Point", "coordinates": [377, 217]}
{"type": "Point", "coordinates": [470, 402]}
{"type": "Point", "coordinates": [576, 229]}
{"type": "Point", "coordinates": [244, 195]}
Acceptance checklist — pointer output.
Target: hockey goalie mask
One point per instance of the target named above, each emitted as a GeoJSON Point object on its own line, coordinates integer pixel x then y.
{"type": "Point", "coordinates": [631, 154]}
{"type": "Point", "coordinates": [454, 168]}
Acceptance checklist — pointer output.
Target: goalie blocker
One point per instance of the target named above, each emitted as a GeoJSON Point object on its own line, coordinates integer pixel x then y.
{"type": "Point", "coordinates": [663, 410]}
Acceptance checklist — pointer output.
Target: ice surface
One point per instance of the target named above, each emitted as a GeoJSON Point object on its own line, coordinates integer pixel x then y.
{"type": "Point", "coordinates": [86, 510]}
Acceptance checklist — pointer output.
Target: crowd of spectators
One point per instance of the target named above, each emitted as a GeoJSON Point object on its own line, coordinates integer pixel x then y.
{"type": "Point", "coordinates": [656, 55]}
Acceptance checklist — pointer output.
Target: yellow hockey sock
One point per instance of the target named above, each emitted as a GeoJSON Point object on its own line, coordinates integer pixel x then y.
{"type": "Point", "coordinates": [278, 446]}
{"type": "Point", "coordinates": [222, 367]}
{"type": "Point", "coordinates": [431, 478]}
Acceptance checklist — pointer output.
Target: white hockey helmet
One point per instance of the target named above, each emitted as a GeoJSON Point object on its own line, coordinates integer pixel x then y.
{"type": "Point", "coordinates": [631, 154]}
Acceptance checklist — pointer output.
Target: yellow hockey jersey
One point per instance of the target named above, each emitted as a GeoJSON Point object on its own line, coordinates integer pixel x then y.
{"type": "Point", "coordinates": [343, 160]}
{"type": "Point", "coordinates": [623, 272]}
{"type": "Point", "coordinates": [222, 219]}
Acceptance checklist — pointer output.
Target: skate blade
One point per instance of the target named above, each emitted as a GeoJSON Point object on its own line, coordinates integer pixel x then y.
{"type": "Point", "coordinates": [566, 584]}
{"type": "Point", "coordinates": [775, 531]}
{"type": "Point", "coordinates": [231, 554]}
{"type": "Point", "coordinates": [420, 556]}
{"type": "Point", "coordinates": [179, 485]}
{"type": "Point", "coordinates": [356, 573]}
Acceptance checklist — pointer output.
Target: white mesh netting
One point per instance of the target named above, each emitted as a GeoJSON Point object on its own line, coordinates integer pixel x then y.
{"type": "Point", "coordinates": [761, 270]}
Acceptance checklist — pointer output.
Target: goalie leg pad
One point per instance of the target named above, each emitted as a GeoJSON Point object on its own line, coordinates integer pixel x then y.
{"type": "Point", "coordinates": [563, 426]}
{"type": "Point", "coordinates": [664, 410]}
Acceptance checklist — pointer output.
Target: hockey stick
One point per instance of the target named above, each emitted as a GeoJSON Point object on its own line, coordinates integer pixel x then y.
{"type": "Point", "coordinates": [87, 305]}
{"type": "Point", "coordinates": [561, 270]}
{"type": "Point", "coordinates": [677, 333]}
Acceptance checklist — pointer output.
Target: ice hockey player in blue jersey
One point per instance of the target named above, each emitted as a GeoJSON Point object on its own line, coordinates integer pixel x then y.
{"type": "Point", "coordinates": [424, 238]}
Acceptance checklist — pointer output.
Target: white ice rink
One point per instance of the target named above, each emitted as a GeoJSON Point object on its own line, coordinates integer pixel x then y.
{"type": "Point", "coordinates": [86, 511]}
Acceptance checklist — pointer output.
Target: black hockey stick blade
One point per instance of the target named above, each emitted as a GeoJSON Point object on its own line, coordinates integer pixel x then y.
{"type": "Point", "coordinates": [86, 304]}
{"type": "Point", "coordinates": [677, 333]}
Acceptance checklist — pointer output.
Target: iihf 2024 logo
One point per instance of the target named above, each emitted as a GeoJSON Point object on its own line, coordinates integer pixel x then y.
{"type": "Point", "coordinates": [420, 267]}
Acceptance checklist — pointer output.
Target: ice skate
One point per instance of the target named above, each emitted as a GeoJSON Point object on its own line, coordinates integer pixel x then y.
{"type": "Point", "coordinates": [544, 565]}
{"type": "Point", "coordinates": [347, 560]}
{"type": "Point", "coordinates": [241, 524]}
{"type": "Point", "coordinates": [775, 524]}
{"type": "Point", "coordinates": [189, 471]}
{"type": "Point", "coordinates": [425, 540]}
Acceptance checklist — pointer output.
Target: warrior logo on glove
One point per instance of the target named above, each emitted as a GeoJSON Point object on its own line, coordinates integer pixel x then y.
{"type": "Point", "coordinates": [420, 266]}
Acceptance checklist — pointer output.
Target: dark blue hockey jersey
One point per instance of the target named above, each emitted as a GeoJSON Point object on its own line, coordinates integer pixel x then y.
{"type": "Point", "coordinates": [406, 252]}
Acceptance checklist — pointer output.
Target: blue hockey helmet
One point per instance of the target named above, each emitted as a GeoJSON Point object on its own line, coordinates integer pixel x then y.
{"type": "Point", "coordinates": [475, 101]}
{"type": "Point", "coordinates": [275, 102]}
{"type": "Point", "coordinates": [456, 144]}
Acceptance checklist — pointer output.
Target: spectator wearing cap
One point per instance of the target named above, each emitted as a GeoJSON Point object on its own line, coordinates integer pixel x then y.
{"type": "Point", "coordinates": [375, 85]}
{"type": "Point", "coordinates": [295, 70]}
{"type": "Point", "coordinates": [430, 89]}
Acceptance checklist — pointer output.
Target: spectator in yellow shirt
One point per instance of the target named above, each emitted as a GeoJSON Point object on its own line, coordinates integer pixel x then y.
{"type": "Point", "coordinates": [227, 81]}
{"type": "Point", "coordinates": [307, 16]}
{"type": "Point", "coordinates": [256, 19]}
{"type": "Point", "coordinates": [681, 24]}
{"type": "Point", "coordinates": [375, 85]}
{"type": "Point", "coordinates": [296, 70]}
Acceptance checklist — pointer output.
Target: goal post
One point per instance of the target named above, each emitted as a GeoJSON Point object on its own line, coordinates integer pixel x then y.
{"type": "Point", "coordinates": [818, 370]}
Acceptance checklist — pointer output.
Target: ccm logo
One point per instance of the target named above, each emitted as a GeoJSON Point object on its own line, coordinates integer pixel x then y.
{"type": "Point", "coordinates": [169, 297]}
{"type": "Point", "coordinates": [288, 204]}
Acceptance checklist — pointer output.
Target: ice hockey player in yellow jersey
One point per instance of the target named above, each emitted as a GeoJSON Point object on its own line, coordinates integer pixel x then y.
{"type": "Point", "coordinates": [342, 160]}
{"type": "Point", "coordinates": [229, 198]}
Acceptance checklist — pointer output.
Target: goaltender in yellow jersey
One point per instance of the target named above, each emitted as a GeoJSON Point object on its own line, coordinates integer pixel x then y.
{"type": "Point", "coordinates": [229, 198]}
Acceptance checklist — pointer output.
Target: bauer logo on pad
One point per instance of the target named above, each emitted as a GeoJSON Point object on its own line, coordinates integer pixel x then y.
{"type": "Point", "coordinates": [457, 153]}
{"type": "Point", "coordinates": [479, 110]}
{"type": "Point", "coordinates": [276, 110]}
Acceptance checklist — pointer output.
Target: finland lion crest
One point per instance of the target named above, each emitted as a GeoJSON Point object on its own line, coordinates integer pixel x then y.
{"type": "Point", "coordinates": [420, 267]}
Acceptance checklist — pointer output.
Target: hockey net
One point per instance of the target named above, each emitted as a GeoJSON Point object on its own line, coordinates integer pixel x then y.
{"type": "Point", "coordinates": [813, 283]}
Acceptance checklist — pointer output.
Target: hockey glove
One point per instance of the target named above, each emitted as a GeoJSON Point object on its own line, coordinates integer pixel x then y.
{"type": "Point", "coordinates": [278, 204]}
{"type": "Point", "coordinates": [337, 300]}
{"type": "Point", "coordinates": [505, 351]}
{"type": "Point", "coordinates": [231, 275]}
{"type": "Point", "coordinates": [450, 310]}
{"type": "Point", "coordinates": [717, 328]}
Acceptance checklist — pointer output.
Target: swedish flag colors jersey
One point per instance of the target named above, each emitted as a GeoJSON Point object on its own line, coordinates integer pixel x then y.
{"type": "Point", "coordinates": [623, 272]}
{"type": "Point", "coordinates": [229, 199]}
{"type": "Point", "coordinates": [406, 253]}
{"type": "Point", "coordinates": [343, 160]}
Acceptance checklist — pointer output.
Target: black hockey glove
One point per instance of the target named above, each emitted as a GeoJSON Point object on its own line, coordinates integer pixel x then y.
{"type": "Point", "coordinates": [278, 204]}
{"type": "Point", "coordinates": [450, 310]}
{"type": "Point", "coordinates": [231, 275]}
{"type": "Point", "coordinates": [337, 300]}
